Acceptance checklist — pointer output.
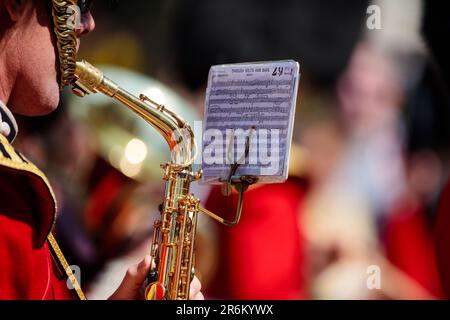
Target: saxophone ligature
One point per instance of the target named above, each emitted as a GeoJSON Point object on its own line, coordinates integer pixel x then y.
{"type": "Point", "coordinates": [173, 247]}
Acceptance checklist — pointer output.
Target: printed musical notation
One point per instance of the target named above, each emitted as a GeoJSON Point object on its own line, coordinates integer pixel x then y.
{"type": "Point", "coordinates": [255, 104]}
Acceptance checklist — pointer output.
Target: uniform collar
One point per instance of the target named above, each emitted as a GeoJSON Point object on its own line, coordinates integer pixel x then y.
{"type": "Point", "coordinates": [8, 125]}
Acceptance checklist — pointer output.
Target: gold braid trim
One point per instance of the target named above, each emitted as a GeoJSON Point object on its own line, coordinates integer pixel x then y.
{"type": "Point", "coordinates": [20, 163]}
{"type": "Point", "coordinates": [62, 260]}
{"type": "Point", "coordinates": [66, 40]}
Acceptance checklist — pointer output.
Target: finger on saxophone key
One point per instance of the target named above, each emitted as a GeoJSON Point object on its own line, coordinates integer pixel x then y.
{"type": "Point", "coordinates": [194, 292]}
{"type": "Point", "coordinates": [133, 280]}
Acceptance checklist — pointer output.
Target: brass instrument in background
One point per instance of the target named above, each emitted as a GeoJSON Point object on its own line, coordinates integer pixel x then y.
{"type": "Point", "coordinates": [173, 246]}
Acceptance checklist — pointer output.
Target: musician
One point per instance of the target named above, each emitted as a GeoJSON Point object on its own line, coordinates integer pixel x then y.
{"type": "Point", "coordinates": [37, 52]}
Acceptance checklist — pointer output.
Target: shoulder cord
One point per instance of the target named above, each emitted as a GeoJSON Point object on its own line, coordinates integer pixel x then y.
{"type": "Point", "coordinates": [68, 270]}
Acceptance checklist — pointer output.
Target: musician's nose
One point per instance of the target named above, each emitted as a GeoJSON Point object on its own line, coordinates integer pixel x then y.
{"type": "Point", "coordinates": [87, 24]}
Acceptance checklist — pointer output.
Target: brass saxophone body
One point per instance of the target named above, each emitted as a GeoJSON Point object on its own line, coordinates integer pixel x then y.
{"type": "Point", "coordinates": [172, 249]}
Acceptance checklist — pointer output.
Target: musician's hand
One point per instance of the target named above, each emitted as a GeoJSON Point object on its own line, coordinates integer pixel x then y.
{"type": "Point", "coordinates": [131, 286]}
{"type": "Point", "coordinates": [194, 292]}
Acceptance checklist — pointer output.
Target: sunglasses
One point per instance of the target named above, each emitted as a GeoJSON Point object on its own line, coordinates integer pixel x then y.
{"type": "Point", "coordinates": [85, 5]}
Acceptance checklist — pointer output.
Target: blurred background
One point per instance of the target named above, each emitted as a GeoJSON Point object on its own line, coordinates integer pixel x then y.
{"type": "Point", "coordinates": [369, 155]}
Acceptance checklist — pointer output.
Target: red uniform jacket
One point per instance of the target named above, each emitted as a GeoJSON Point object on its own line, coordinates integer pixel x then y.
{"type": "Point", "coordinates": [263, 257]}
{"type": "Point", "coordinates": [28, 269]}
{"type": "Point", "coordinates": [410, 246]}
{"type": "Point", "coordinates": [443, 239]}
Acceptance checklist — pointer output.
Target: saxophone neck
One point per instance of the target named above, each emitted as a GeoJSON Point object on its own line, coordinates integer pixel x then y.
{"type": "Point", "coordinates": [177, 133]}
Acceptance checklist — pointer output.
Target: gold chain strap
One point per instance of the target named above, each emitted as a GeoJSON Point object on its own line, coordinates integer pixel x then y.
{"type": "Point", "coordinates": [62, 260]}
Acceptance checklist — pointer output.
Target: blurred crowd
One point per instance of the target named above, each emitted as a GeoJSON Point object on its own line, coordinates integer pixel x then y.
{"type": "Point", "coordinates": [369, 158]}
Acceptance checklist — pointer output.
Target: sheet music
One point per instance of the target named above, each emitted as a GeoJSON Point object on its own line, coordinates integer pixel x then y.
{"type": "Point", "coordinates": [252, 105]}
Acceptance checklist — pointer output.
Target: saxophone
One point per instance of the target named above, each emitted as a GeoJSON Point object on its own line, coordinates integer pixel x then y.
{"type": "Point", "coordinates": [173, 246]}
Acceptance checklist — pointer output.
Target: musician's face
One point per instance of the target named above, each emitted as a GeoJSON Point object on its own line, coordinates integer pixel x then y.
{"type": "Point", "coordinates": [36, 89]}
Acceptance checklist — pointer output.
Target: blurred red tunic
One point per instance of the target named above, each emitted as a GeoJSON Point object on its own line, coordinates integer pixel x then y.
{"type": "Point", "coordinates": [263, 256]}
{"type": "Point", "coordinates": [443, 239]}
{"type": "Point", "coordinates": [27, 212]}
{"type": "Point", "coordinates": [410, 246]}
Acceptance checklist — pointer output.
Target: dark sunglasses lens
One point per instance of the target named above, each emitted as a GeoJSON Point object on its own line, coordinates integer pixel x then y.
{"type": "Point", "coordinates": [85, 5]}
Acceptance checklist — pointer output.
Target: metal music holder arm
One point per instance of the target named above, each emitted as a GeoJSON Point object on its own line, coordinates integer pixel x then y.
{"type": "Point", "coordinates": [240, 184]}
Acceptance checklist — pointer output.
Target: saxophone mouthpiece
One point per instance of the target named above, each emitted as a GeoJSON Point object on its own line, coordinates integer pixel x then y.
{"type": "Point", "coordinates": [87, 79]}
